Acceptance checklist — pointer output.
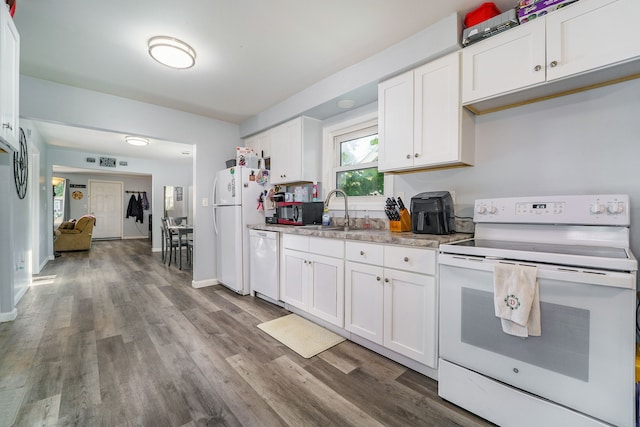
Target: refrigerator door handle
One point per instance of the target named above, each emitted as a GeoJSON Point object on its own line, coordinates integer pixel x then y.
{"type": "Point", "coordinates": [215, 184]}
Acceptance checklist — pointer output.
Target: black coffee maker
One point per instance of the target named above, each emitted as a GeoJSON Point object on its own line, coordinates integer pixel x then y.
{"type": "Point", "coordinates": [432, 213]}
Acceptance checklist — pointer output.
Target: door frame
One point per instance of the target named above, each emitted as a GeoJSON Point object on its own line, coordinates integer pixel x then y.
{"type": "Point", "coordinates": [121, 198]}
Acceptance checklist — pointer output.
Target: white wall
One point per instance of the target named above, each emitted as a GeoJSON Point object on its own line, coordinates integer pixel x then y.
{"type": "Point", "coordinates": [435, 40]}
{"type": "Point", "coordinates": [214, 141]}
{"type": "Point", "coordinates": [584, 143]}
{"type": "Point", "coordinates": [40, 182]}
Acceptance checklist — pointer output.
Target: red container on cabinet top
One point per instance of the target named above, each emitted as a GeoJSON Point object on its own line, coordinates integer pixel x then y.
{"type": "Point", "coordinates": [481, 14]}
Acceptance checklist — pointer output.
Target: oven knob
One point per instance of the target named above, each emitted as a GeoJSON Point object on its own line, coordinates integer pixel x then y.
{"type": "Point", "coordinates": [493, 210]}
{"type": "Point", "coordinates": [482, 210]}
{"type": "Point", "coordinates": [615, 208]}
{"type": "Point", "coordinates": [597, 208]}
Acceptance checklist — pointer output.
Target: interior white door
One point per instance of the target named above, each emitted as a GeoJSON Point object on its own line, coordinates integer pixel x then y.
{"type": "Point", "coordinates": [105, 203]}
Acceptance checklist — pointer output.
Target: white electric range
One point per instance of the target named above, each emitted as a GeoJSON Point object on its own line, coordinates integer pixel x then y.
{"type": "Point", "coordinates": [581, 370]}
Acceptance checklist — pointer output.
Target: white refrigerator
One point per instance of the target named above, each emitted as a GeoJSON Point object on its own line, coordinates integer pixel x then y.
{"type": "Point", "coordinates": [235, 204]}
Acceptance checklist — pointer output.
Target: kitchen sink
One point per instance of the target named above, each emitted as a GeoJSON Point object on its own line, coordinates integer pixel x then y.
{"type": "Point", "coordinates": [324, 227]}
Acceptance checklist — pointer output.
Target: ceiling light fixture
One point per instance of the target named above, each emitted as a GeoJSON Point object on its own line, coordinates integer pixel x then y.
{"type": "Point", "coordinates": [136, 140]}
{"type": "Point", "coordinates": [172, 52]}
{"type": "Point", "coordinates": [346, 103]}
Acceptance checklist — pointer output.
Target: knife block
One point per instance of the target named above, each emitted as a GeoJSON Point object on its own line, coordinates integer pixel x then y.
{"type": "Point", "coordinates": [403, 225]}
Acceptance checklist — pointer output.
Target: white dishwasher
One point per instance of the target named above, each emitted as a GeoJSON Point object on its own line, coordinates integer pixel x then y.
{"type": "Point", "coordinates": [263, 263]}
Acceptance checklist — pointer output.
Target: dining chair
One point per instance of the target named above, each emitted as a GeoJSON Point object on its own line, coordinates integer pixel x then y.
{"type": "Point", "coordinates": [171, 242]}
{"type": "Point", "coordinates": [177, 220]}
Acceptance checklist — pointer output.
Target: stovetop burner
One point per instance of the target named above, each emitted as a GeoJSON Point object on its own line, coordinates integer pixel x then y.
{"type": "Point", "coordinates": [580, 250]}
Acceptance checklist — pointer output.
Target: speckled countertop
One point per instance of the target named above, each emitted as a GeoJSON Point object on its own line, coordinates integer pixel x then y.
{"type": "Point", "coordinates": [371, 235]}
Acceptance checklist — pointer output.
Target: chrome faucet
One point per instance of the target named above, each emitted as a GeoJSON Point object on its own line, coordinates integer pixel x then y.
{"type": "Point", "coordinates": [346, 205]}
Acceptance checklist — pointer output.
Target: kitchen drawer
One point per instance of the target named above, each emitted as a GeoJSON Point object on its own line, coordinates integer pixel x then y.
{"type": "Point", "coordinates": [298, 243]}
{"type": "Point", "coordinates": [368, 253]}
{"type": "Point", "coordinates": [417, 260]}
{"type": "Point", "coordinates": [329, 247]}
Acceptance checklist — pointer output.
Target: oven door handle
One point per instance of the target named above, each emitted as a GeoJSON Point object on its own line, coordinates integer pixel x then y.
{"type": "Point", "coordinates": [614, 279]}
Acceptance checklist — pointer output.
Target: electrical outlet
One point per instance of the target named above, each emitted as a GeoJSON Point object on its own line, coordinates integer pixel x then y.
{"type": "Point", "coordinates": [205, 202]}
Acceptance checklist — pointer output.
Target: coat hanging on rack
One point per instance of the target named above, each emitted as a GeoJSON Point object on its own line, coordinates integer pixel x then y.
{"type": "Point", "coordinates": [135, 208]}
{"type": "Point", "coordinates": [145, 201]}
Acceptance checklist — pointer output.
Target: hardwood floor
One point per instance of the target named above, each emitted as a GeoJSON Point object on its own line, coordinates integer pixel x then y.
{"type": "Point", "coordinates": [112, 337]}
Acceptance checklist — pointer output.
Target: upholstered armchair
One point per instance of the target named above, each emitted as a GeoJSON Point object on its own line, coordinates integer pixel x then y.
{"type": "Point", "coordinates": [76, 236]}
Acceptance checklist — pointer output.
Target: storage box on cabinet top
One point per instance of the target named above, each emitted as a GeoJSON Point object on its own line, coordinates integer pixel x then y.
{"type": "Point", "coordinates": [490, 27]}
{"type": "Point", "coordinates": [529, 10]}
{"type": "Point", "coordinates": [485, 11]}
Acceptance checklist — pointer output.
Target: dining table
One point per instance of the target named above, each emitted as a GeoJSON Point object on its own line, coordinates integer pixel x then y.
{"type": "Point", "coordinates": [181, 230]}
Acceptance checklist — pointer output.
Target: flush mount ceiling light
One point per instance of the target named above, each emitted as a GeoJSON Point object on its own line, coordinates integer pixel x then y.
{"type": "Point", "coordinates": [172, 52]}
{"type": "Point", "coordinates": [346, 103]}
{"type": "Point", "coordinates": [136, 140]}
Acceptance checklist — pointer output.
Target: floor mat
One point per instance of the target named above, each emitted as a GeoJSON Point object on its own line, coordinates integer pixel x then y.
{"type": "Point", "coordinates": [300, 335]}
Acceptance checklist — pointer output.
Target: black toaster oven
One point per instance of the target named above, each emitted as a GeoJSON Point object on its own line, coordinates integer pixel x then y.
{"type": "Point", "coordinates": [300, 213]}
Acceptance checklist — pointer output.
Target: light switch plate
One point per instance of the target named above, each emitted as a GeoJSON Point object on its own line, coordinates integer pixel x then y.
{"type": "Point", "coordinates": [205, 202]}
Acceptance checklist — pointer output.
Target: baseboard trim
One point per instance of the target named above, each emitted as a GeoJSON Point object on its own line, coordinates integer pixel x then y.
{"type": "Point", "coordinates": [10, 316]}
{"type": "Point", "coordinates": [135, 237]}
{"type": "Point", "coordinates": [204, 283]}
{"type": "Point", "coordinates": [44, 263]}
{"type": "Point", "coordinates": [20, 294]}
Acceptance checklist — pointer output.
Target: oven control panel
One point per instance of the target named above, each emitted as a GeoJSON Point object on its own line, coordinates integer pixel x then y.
{"type": "Point", "coordinates": [597, 209]}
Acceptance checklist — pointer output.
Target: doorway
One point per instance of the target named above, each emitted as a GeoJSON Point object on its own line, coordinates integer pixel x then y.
{"type": "Point", "coordinates": [105, 203]}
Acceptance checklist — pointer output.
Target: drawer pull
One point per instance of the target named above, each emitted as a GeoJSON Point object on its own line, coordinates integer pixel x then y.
{"type": "Point", "coordinates": [362, 253]}
{"type": "Point", "coordinates": [406, 259]}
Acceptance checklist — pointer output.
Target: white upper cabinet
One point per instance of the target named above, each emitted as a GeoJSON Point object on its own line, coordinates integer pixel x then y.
{"type": "Point", "coordinates": [420, 121]}
{"type": "Point", "coordinates": [586, 43]}
{"type": "Point", "coordinates": [296, 151]}
{"type": "Point", "coordinates": [591, 34]}
{"type": "Point", "coordinates": [261, 144]}
{"type": "Point", "coordinates": [505, 62]}
{"type": "Point", "coordinates": [9, 79]}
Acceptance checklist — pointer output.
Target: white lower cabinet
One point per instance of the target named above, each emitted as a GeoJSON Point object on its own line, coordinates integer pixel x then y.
{"type": "Point", "coordinates": [364, 296]}
{"type": "Point", "coordinates": [394, 305]}
{"type": "Point", "coordinates": [294, 278]}
{"type": "Point", "coordinates": [410, 315]}
{"type": "Point", "coordinates": [386, 294]}
{"type": "Point", "coordinates": [313, 276]}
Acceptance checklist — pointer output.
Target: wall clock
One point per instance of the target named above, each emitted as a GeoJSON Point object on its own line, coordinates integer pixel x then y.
{"type": "Point", "coordinates": [21, 166]}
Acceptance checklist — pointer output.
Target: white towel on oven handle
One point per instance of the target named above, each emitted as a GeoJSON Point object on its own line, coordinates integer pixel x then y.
{"type": "Point", "coordinates": [516, 299]}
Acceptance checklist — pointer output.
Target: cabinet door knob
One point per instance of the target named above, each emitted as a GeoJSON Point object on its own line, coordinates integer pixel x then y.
{"type": "Point", "coordinates": [408, 156]}
{"type": "Point", "coordinates": [386, 280]}
{"type": "Point", "coordinates": [406, 259]}
{"type": "Point", "coordinates": [537, 68]}
{"type": "Point", "coordinates": [416, 155]}
{"type": "Point", "coordinates": [305, 261]}
{"type": "Point", "coordinates": [361, 252]}
{"type": "Point", "coordinates": [553, 63]}
{"type": "Point", "coordinates": [378, 278]}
